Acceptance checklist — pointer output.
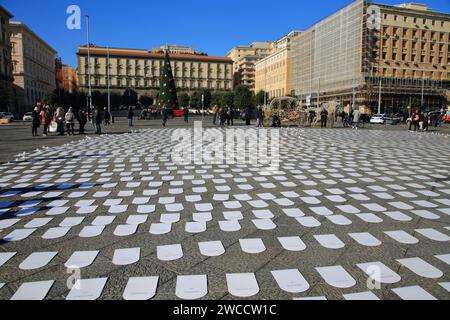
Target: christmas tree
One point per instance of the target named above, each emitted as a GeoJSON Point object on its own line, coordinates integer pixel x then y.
{"type": "Point", "coordinates": [168, 92]}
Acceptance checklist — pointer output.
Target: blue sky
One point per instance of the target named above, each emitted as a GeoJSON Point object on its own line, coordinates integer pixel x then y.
{"type": "Point", "coordinates": [208, 25]}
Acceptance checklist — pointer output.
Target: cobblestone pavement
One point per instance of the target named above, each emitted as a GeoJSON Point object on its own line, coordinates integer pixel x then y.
{"type": "Point", "coordinates": [337, 220]}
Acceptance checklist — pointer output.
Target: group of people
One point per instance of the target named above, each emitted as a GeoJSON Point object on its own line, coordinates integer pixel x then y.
{"type": "Point", "coordinates": [57, 120]}
{"type": "Point", "coordinates": [225, 115]}
{"type": "Point", "coordinates": [60, 121]}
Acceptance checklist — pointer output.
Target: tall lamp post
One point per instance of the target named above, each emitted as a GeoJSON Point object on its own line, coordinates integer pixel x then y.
{"type": "Point", "coordinates": [89, 65]}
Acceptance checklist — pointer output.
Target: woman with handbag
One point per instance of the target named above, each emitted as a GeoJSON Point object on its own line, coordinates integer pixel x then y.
{"type": "Point", "coordinates": [35, 122]}
{"type": "Point", "coordinates": [70, 122]}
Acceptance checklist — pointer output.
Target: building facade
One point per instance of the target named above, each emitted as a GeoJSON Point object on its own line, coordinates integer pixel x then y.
{"type": "Point", "coordinates": [69, 79]}
{"type": "Point", "coordinates": [364, 49]}
{"type": "Point", "coordinates": [140, 70]}
{"type": "Point", "coordinates": [33, 67]}
{"type": "Point", "coordinates": [273, 73]}
{"type": "Point", "coordinates": [244, 59]}
{"type": "Point", "coordinates": [174, 49]}
{"type": "Point", "coordinates": [6, 75]}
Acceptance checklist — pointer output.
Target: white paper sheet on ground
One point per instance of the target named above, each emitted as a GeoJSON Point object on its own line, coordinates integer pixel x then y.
{"type": "Point", "coordinates": [141, 288]}
{"type": "Point", "coordinates": [444, 258]}
{"type": "Point", "coordinates": [330, 241]}
{"type": "Point", "coordinates": [37, 260]}
{"type": "Point", "coordinates": [292, 243]}
{"type": "Point", "coordinates": [202, 216]}
{"type": "Point", "coordinates": [359, 197]}
{"type": "Point", "coordinates": [211, 248]}
{"type": "Point", "coordinates": [361, 296]}
{"type": "Point", "coordinates": [191, 287]}
{"type": "Point", "coordinates": [401, 205]}
{"type": "Point", "coordinates": [379, 272]}
{"type": "Point", "coordinates": [223, 188]}
{"type": "Point", "coordinates": [91, 231]}
{"type": "Point", "coordinates": [77, 194]}
{"type": "Point", "coordinates": [348, 209]}
{"type": "Point", "coordinates": [252, 246]}
{"type": "Point", "coordinates": [166, 200]}
{"type": "Point", "coordinates": [55, 233]}
{"type": "Point", "coordinates": [221, 197]}
{"type": "Point", "coordinates": [195, 198]}
{"type": "Point", "coordinates": [233, 215]}
{"type": "Point", "coordinates": [229, 225]}
{"type": "Point", "coordinates": [365, 239]}
{"type": "Point", "coordinates": [84, 203]}
{"type": "Point", "coordinates": [103, 220]}
{"type": "Point", "coordinates": [425, 204]}
{"type": "Point", "coordinates": [33, 291]}
{"type": "Point", "coordinates": [369, 217]}
{"type": "Point", "coordinates": [415, 293]}
{"type": "Point", "coordinates": [312, 298]}
{"type": "Point", "coordinates": [8, 223]}
{"type": "Point", "coordinates": [263, 214]}
{"type": "Point", "coordinates": [402, 237]}
{"type": "Point", "coordinates": [170, 252]}
{"type": "Point", "coordinates": [123, 257]}
{"type": "Point", "coordinates": [71, 221]}
{"type": "Point", "coordinates": [242, 197]}
{"type": "Point", "coordinates": [284, 202]}
{"type": "Point", "coordinates": [170, 218]}
{"type": "Point", "coordinates": [56, 211]}
{"type": "Point", "coordinates": [112, 202]}
{"type": "Point", "coordinates": [294, 212]}
{"type": "Point", "coordinates": [18, 235]}
{"type": "Point", "coordinates": [57, 203]}
{"type": "Point", "coordinates": [146, 209]}
{"type": "Point", "coordinates": [175, 207]}
{"type": "Point", "coordinates": [125, 230]}
{"type": "Point", "coordinates": [433, 234]}
{"type": "Point", "coordinates": [87, 210]}
{"type": "Point", "coordinates": [125, 193]}
{"type": "Point", "coordinates": [421, 268]}
{"type": "Point", "coordinates": [259, 204]}
{"type": "Point", "coordinates": [118, 209]}
{"type": "Point", "coordinates": [337, 276]}
{"type": "Point", "coordinates": [176, 191]}
{"type": "Point", "coordinates": [291, 281]}
{"type": "Point", "coordinates": [195, 227]}
{"type": "Point", "coordinates": [399, 216]}
{"type": "Point", "coordinates": [264, 224]}
{"type": "Point", "coordinates": [321, 211]}
{"type": "Point", "coordinates": [290, 194]}
{"type": "Point", "coordinates": [6, 256]}
{"type": "Point", "coordinates": [30, 203]}
{"type": "Point", "coordinates": [445, 285]}
{"type": "Point", "coordinates": [426, 214]}
{"type": "Point", "coordinates": [310, 200]}
{"type": "Point", "coordinates": [81, 259]}
{"type": "Point", "coordinates": [137, 219]}
{"type": "Point", "coordinates": [160, 228]}
{"type": "Point", "coordinates": [2, 285]}
{"type": "Point", "coordinates": [374, 207]}
{"type": "Point", "coordinates": [339, 220]}
{"type": "Point", "coordinates": [87, 289]}
{"type": "Point", "coordinates": [308, 222]}
{"type": "Point", "coordinates": [242, 285]}
{"type": "Point", "coordinates": [336, 198]}
{"type": "Point", "coordinates": [101, 194]}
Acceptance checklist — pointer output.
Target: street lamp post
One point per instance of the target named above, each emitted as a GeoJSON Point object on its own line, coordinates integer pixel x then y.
{"type": "Point", "coordinates": [89, 65]}
{"type": "Point", "coordinates": [108, 81]}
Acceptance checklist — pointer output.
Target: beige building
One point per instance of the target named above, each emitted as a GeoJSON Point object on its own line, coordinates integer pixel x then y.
{"type": "Point", "coordinates": [6, 78]}
{"type": "Point", "coordinates": [244, 59]}
{"type": "Point", "coordinates": [347, 56]}
{"type": "Point", "coordinates": [273, 73]}
{"type": "Point", "coordinates": [33, 67]}
{"type": "Point", "coordinates": [141, 70]}
{"type": "Point", "coordinates": [174, 49]}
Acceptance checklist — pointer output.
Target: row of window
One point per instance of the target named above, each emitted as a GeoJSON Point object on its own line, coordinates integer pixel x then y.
{"type": "Point", "coordinates": [402, 73]}
{"type": "Point", "coordinates": [416, 20]}
{"type": "Point", "coordinates": [417, 33]}
{"type": "Point", "coordinates": [154, 83]}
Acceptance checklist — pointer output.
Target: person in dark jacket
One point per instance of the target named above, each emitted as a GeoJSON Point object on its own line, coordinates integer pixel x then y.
{"type": "Point", "coordinates": [82, 120]}
{"type": "Point", "coordinates": [165, 115]}
{"type": "Point", "coordinates": [323, 118]}
{"type": "Point", "coordinates": [130, 116]}
{"type": "Point", "coordinates": [98, 118]}
{"type": "Point", "coordinates": [186, 114]}
{"type": "Point", "coordinates": [35, 122]}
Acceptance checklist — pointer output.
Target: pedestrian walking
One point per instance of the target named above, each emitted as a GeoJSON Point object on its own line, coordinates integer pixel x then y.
{"type": "Point", "coordinates": [35, 122]}
{"type": "Point", "coordinates": [215, 113]}
{"type": "Point", "coordinates": [70, 122]}
{"type": "Point", "coordinates": [97, 118]}
{"type": "Point", "coordinates": [323, 118]}
{"type": "Point", "coordinates": [45, 120]}
{"type": "Point", "coordinates": [107, 117]}
{"type": "Point", "coordinates": [165, 115]}
{"type": "Point", "coordinates": [82, 120]}
{"type": "Point", "coordinates": [59, 118]}
{"type": "Point", "coordinates": [130, 116]}
{"type": "Point", "coordinates": [222, 115]}
{"type": "Point", "coordinates": [186, 113]}
{"type": "Point", "coordinates": [356, 118]}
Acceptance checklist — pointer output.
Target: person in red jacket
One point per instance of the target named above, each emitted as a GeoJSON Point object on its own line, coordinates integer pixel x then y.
{"type": "Point", "coordinates": [45, 120]}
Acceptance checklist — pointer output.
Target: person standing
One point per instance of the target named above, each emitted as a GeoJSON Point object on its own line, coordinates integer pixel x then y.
{"type": "Point", "coordinates": [222, 115]}
{"type": "Point", "coordinates": [165, 115]}
{"type": "Point", "coordinates": [186, 114]}
{"type": "Point", "coordinates": [35, 122]}
{"type": "Point", "coordinates": [70, 122]}
{"type": "Point", "coordinates": [97, 120]}
{"type": "Point", "coordinates": [107, 117]}
{"type": "Point", "coordinates": [82, 120]}
{"type": "Point", "coordinates": [356, 118]}
{"type": "Point", "coordinates": [59, 118]}
{"type": "Point", "coordinates": [130, 116]}
{"type": "Point", "coordinates": [215, 112]}
{"type": "Point", "coordinates": [45, 120]}
{"type": "Point", "coordinates": [323, 118]}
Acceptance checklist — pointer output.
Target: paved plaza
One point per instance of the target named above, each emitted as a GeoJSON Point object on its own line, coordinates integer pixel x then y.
{"type": "Point", "coordinates": [348, 215]}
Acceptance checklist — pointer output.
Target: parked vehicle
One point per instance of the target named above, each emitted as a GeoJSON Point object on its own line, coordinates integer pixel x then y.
{"type": "Point", "coordinates": [6, 115]}
{"type": "Point", "coordinates": [384, 119]}
{"type": "Point", "coordinates": [28, 117]}
{"type": "Point", "coordinates": [446, 117]}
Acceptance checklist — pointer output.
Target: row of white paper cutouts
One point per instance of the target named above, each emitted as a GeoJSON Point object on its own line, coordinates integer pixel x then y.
{"type": "Point", "coordinates": [244, 285]}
